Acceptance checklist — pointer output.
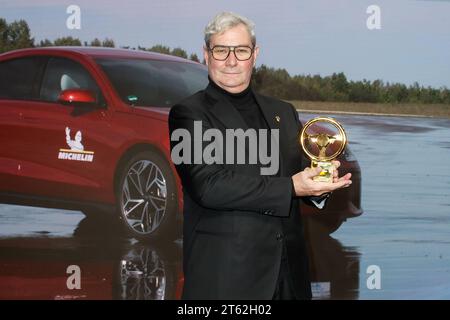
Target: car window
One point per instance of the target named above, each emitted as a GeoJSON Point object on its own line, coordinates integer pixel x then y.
{"type": "Point", "coordinates": [152, 82]}
{"type": "Point", "coordinates": [63, 74]}
{"type": "Point", "coordinates": [19, 78]}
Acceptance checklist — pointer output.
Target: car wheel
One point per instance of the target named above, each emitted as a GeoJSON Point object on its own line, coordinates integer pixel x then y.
{"type": "Point", "coordinates": [147, 198]}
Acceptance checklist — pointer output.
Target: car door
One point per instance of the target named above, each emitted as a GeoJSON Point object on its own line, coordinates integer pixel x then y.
{"type": "Point", "coordinates": [18, 88]}
{"type": "Point", "coordinates": [63, 142]}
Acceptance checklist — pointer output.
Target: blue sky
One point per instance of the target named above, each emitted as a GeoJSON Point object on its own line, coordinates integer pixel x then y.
{"type": "Point", "coordinates": [302, 36]}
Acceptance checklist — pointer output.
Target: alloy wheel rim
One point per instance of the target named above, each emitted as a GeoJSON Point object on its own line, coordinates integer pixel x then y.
{"type": "Point", "coordinates": [144, 197]}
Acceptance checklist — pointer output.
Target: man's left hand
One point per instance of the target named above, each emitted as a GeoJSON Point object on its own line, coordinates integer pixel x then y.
{"type": "Point", "coordinates": [336, 164]}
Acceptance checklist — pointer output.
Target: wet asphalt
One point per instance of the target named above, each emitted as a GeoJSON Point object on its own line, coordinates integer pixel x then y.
{"type": "Point", "coordinates": [399, 248]}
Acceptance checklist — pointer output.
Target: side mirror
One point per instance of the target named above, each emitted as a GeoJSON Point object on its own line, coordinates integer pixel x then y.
{"type": "Point", "coordinates": [80, 97]}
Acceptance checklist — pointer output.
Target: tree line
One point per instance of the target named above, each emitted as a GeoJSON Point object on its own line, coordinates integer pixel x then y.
{"type": "Point", "coordinates": [336, 87]}
{"type": "Point", "coordinates": [271, 81]}
{"type": "Point", "coordinates": [17, 35]}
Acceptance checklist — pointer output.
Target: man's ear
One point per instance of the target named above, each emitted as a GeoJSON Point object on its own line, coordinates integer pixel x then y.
{"type": "Point", "coordinates": [255, 55]}
{"type": "Point", "coordinates": [206, 55]}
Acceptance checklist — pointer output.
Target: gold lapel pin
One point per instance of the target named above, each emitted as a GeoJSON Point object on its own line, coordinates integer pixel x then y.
{"type": "Point", "coordinates": [277, 118]}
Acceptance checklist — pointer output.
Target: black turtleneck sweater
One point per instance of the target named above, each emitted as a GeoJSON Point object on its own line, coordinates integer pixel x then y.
{"type": "Point", "coordinates": [245, 103]}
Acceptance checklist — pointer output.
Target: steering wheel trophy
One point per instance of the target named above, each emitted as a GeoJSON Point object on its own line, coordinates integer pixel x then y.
{"type": "Point", "coordinates": [323, 143]}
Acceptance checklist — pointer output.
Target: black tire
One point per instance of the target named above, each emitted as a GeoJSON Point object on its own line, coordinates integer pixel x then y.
{"type": "Point", "coordinates": [159, 216]}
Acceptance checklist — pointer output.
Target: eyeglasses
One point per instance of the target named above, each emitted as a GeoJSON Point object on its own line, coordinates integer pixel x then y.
{"type": "Point", "coordinates": [241, 53]}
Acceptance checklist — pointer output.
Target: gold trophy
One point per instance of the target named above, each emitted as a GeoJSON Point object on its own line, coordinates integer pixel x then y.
{"type": "Point", "coordinates": [322, 144]}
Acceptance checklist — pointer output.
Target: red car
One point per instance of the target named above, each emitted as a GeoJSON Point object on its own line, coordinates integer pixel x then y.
{"type": "Point", "coordinates": [86, 129]}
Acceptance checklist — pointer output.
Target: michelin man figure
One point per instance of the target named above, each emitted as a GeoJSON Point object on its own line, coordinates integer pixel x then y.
{"type": "Point", "coordinates": [76, 144]}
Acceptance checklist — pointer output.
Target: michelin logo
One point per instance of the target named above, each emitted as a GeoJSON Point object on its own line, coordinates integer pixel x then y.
{"type": "Point", "coordinates": [76, 152]}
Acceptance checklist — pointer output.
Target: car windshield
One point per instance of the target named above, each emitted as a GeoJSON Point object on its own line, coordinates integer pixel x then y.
{"type": "Point", "coordinates": [152, 82]}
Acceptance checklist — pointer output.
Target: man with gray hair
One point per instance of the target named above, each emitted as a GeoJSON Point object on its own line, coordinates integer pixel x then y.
{"type": "Point", "coordinates": [242, 232]}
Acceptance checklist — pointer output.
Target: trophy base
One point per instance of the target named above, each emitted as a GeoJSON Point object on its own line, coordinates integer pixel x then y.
{"type": "Point", "coordinates": [326, 175]}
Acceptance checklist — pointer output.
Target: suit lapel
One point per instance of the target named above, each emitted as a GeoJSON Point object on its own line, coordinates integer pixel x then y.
{"type": "Point", "coordinates": [269, 112]}
{"type": "Point", "coordinates": [275, 121]}
{"type": "Point", "coordinates": [224, 111]}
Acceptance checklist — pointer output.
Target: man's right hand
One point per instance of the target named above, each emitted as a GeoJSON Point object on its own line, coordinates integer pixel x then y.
{"type": "Point", "coordinates": [304, 184]}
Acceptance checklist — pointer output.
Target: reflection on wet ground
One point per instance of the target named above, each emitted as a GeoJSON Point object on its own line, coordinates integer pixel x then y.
{"type": "Point", "coordinates": [111, 266]}
{"type": "Point", "coordinates": [115, 267]}
{"type": "Point", "coordinates": [334, 268]}
{"type": "Point", "coordinates": [404, 231]}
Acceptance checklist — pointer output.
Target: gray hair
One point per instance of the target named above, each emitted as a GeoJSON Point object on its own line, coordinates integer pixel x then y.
{"type": "Point", "coordinates": [227, 20]}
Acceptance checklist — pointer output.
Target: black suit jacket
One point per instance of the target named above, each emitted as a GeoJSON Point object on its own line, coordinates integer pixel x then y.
{"type": "Point", "coordinates": [236, 221]}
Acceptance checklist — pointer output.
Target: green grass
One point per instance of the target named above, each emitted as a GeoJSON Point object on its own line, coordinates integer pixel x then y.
{"type": "Point", "coordinates": [429, 110]}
